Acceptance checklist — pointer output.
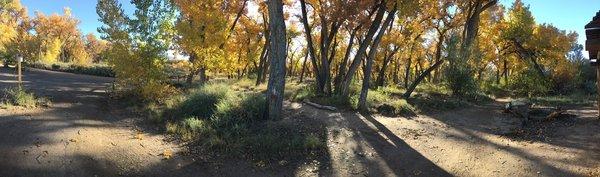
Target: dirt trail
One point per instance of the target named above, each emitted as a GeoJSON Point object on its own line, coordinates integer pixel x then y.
{"type": "Point", "coordinates": [465, 142]}
{"type": "Point", "coordinates": [77, 135]}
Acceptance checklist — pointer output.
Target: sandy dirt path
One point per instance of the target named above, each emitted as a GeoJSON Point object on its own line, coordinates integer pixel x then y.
{"type": "Point", "coordinates": [78, 135]}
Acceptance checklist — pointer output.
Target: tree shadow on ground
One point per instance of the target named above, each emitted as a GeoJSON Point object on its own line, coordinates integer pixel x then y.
{"type": "Point", "coordinates": [401, 158]}
{"type": "Point", "coordinates": [477, 121]}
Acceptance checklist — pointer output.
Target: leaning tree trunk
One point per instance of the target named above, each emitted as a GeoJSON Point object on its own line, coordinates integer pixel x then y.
{"type": "Point", "coordinates": [419, 79]}
{"type": "Point", "coordinates": [342, 68]}
{"type": "Point", "coordinates": [362, 100]}
{"type": "Point", "coordinates": [310, 45]}
{"type": "Point", "coordinates": [277, 59]}
{"type": "Point", "coordinates": [262, 67]}
{"type": "Point", "coordinates": [361, 52]}
{"type": "Point", "coordinates": [386, 61]}
{"type": "Point", "coordinates": [435, 66]}
{"type": "Point", "coordinates": [303, 69]}
{"type": "Point", "coordinates": [190, 77]}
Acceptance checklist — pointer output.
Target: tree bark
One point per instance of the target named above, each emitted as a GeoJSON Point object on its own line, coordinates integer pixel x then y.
{"type": "Point", "coordinates": [303, 69]}
{"type": "Point", "coordinates": [362, 100]}
{"type": "Point", "coordinates": [276, 85]}
{"type": "Point", "coordinates": [381, 77]}
{"type": "Point", "coordinates": [262, 65]}
{"type": "Point", "coordinates": [361, 52]}
{"type": "Point", "coordinates": [471, 27]}
{"type": "Point", "coordinates": [309, 41]}
{"type": "Point", "coordinates": [438, 62]}
{"type": "Point", "coordinates": [343, 66]}
{"type": "Point", "coordinates": [190, 77]}
{"type": "Point", "coordinates": [419, 79]}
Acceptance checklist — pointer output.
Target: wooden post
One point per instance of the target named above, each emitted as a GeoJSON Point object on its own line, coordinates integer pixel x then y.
{"type": "Point", "coordinates": [19, 74]}
{"type": "Point", "coordinates": [598, 83]}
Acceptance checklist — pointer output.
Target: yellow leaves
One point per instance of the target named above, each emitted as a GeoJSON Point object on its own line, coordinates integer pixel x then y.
{"type": "Point", "coordinates": [167, 154]}
{"type": "Point", "coordinates": [139, 136]}
{"type": "Point", "coordinates": [59, 34]}
{"type": "Point", "coordinates": [51, 50]}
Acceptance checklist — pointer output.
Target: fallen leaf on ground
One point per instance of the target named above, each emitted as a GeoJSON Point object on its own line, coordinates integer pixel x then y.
{"type": "Point", "coordinates": [167, 154]}
{"type": "Point", "coordinates": [139, 136]}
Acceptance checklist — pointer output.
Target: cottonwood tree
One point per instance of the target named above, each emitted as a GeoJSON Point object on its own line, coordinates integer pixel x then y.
{"type": "Point", "coordinates": [60, 38]}
{"type": "Point", "coordinates": [443, 19]}
{"type": "Point", "coordinates": [95, 47]}
{"type": "Point", "coordinates": [138, 45]}
{"type": "Point", "coordinates": [205, 29]}
{"type": "Point", "coordinates": [12, 15]}
{"type": "Point", "coordinates": [472, 10]}
{"type": "Point", "coordinates": [362, 100]}
{"type": "Point", "coordinates": [277, 57]}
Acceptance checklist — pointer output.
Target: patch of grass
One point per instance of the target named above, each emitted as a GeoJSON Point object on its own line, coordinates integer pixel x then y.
{"type": "Point", "coordinates": [392, 90]}
{"type": "Point", "coordinates": [576, 99]}
{"type": "Point", "coordinates": [20, 97]}
{"type": "Point", "coordinates": [374, 99]}
{"type": "Point", "coordinates": [396, 107]}
{"type": "Point", "coordinates": [436, 102]}
{"type": "Point", "coordinates": [430, 88]}
{"type": "Point", "coordinates": [201, 102]}
{"type": "Point", "coordinates": [94, 70]}
{"type": "Point", "coordinates": [220, 119]}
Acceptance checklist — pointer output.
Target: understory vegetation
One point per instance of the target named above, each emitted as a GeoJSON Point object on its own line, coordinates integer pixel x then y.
{"type": "Point", "coordinates": [18, 97]}
{"type": "Point", "coordinates": [224, 119]}
{"type": "Point", "coordinates": [94, 70]}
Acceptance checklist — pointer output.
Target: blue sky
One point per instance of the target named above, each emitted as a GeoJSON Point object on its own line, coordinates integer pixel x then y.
{"type": "Point", "coordinates": [84, 10]}
{"type": "Point", "coordinates": [570, 15]}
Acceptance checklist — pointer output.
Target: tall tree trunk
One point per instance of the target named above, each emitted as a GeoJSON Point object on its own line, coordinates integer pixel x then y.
{"type": "Point", "coordinates": [362, 100]}
{"type": "Point", "coordinates": [361, 52]}
{"type": "Point", "coordinates": [262, 66]}
{"type": "Point", "coordinates": [190, 77]}
{"type": "Point", "coordinates": [291, 68]}
{"type": "Point", "coordinates": [396, 75]}
{"type": "Point", "coordinates": [505, 72]}
{"type": "Point", "coordinates": [343, 66]}
{"type": "Point", "coordinates": [276, 85]}
{"type": "Point", "coordinates": [203, 76]}
{"type": "Point", "coordinates": [438, 62]}
{"type": "Point", "coordinates": [303, 69]}
{"type": "Point", "coordinates": [498, 75]}
{"type": "Point", "coordinates": [264, 54]}
{"type": "Point", "coordinates": [407, 71]}
{"type": "Point", "coordinates": [471, 27]}
{"type": "Point", "coordinates": [310, 45]}
{"type": "Point", "coordinates": [419, 79]}
{"type": "Point", "coordinates": [384, 65]}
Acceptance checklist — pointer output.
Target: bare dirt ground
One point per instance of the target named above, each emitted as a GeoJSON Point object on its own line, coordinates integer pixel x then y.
{"type": "Point", "coordinates": [83, 134]}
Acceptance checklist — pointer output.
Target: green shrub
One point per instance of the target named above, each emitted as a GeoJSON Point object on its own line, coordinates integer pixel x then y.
{"type": "Point", "coordinates": [430, 88]}
{"type": "Point", "coordinates": [530, 83]}
{"type": "Point", "coordinates": [392, 90]}
{"type": "Point", "coordinates": [313, 141]}
{"type": "Point", "coordinates": [55, 67]}
{"type": "Point", "coordinates": [306, 92]}
{"type": "Point", "coordinates": [20, 97]}
{"type": "Point", "coordinates": [237, 111]}
{"type": "Point", "coordinates": [223, 120]}
{"type": "Point", "coordinates": [203, 102]}
{"type": "Point", "coordinates": [94, 70]}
